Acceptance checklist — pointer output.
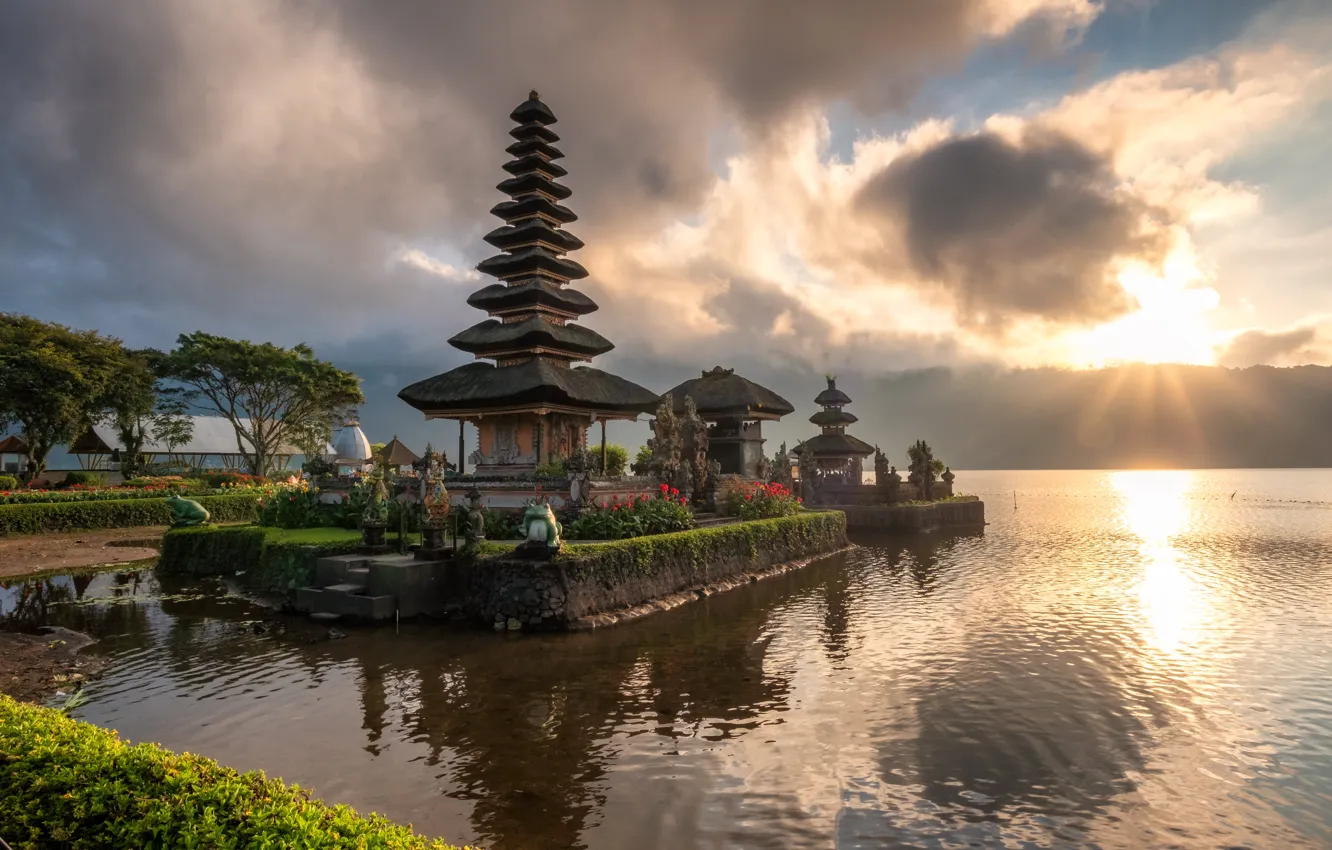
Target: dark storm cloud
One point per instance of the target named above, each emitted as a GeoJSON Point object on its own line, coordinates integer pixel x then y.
{"type": "Point", "coordinates": [1030, 228]}
{"type": "Point", "coordinates": [250, 165]}
{"type": "Point", "coordinates": [1258, 346]}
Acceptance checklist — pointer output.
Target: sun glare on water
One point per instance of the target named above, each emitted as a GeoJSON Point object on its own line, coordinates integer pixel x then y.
{"type": "Point", "coordinates": [1154, 508]}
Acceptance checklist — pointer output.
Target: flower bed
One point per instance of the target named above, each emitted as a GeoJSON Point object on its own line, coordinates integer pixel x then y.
{"type": "Point", "coordinates": [637, 517]}
{"type": "Point", "coordinates": [115, 513]}
{"type": "Point", "coordinates": [755, 500]}
{"type": "Point", "coordinates": [71, 784]}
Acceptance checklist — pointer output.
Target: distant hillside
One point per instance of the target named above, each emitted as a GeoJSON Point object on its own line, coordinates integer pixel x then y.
{"type": "Point", "coordinates": [1131, 416]}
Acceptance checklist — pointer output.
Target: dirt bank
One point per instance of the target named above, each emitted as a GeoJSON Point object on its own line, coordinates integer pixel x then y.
{"type": "Point", "coordinates": [40, 553]}
{"type": "Point", "coordinates": [34, 667]}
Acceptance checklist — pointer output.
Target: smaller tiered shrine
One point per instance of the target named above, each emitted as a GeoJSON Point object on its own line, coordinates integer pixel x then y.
{"type": "Point", "coordinates": [836, 455]}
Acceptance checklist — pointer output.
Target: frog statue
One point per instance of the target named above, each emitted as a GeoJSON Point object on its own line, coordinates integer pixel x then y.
{"type": "Point", "coordinates": [185, 512]}
{"type": "Point", "coordinates": [541, 531]}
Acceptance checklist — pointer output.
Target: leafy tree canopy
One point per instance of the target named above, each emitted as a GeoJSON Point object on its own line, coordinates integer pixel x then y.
{"type": "Point", "coordinates": [270, 394]}
{"type": "Point", "coordinates": [54, 382]}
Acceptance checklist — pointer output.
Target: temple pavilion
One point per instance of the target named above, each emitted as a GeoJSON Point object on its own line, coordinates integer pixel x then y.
{"type": "Point", "coordinates": [735, 409]}
{"type": "Point", "coordinates": [532, 403]}
{"type": "Point", "coordinates": [836, 453]}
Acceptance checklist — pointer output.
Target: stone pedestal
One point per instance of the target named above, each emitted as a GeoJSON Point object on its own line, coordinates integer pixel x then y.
{"type": "Point", "coordinates": [432, 544]}
{"type": "Point", "coordinates": [373, 541]}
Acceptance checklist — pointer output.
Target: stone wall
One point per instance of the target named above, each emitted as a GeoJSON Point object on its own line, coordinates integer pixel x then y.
{"type": "Point", "coordinates": [961, 512]}
{"type": "Point", "coordinates": [586, 580]}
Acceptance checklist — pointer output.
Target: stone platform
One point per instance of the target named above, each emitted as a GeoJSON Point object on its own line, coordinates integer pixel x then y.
{"type": "Point", "coordinates": [961, 513]}
{"type": "Point", "coordinates": [375, 588]}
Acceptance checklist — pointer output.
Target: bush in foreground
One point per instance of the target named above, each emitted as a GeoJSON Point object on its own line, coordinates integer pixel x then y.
{"type": "Point", "coordinates": [118, 513]}
{"type": "Point", "coordinates": [68, 783]}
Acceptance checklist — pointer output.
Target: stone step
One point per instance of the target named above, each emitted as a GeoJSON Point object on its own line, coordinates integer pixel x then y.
{"type": "Point", "coordinates": [325, 617]}
{"type": "Point", "coordinates": [347, 588]}
{"type": "Point", "coordinates": [358, 574]}
{"type": "Point", "coordinates": [325, 604]}
{"type": "Point", "coordinates": [335, 569]}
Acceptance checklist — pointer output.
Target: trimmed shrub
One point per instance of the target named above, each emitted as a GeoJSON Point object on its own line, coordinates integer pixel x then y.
{"type": "Point", "coordinates": [694, 550]}
{"type": "Point", "coordinates": [80, 478]}
{"type": "Point", "coordinates": [118, 513]}
{"type": "Point", "coordinates": [8, 482]}
{"type": "Point", "coordinates": [272, 560]}
{"type": "Point", "coordinates": [71, 784]}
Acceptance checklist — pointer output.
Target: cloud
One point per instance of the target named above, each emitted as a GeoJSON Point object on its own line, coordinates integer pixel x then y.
{"type": "Point", "coordinates": [1294, 345]}
{"type": "Point", "coordinates": [1031, 227]}
{"type": "Point", "coordinates": [254, 158]}
{"type": "Point", "coordinates": [277, 169]}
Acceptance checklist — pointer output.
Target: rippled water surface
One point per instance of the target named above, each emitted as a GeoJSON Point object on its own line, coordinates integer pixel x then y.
{"type": "Point", "coordinates": [1133, 659]}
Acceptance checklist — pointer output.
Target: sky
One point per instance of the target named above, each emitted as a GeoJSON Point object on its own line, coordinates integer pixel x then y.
{"type": "Point", "coordinates": [783, 187]}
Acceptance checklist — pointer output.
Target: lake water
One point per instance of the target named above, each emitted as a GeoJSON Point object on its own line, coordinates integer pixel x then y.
{"type": "Point", "coordinates": [1125, 659]}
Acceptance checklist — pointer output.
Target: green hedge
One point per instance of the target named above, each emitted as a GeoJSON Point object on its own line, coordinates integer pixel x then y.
{"type": "Point", "coordinates": [274, 560]}
{"type": "Point", "coordinates": [65, 783]}
{"type": "Point", "coordinates": [808, 531]}
{"type": "Point", "coordinates": [120, 513]}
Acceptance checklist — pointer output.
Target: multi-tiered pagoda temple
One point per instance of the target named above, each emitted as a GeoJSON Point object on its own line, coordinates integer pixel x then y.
{"type": "Point", "coordinates": [532, 404]}
{"type": "Point", "coordinates": [836, 453]}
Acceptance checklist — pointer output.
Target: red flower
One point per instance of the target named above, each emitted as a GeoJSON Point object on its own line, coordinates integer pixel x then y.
{"type": "Point", "coordinates": [291, 498]}
{"type": "Point", "coordinates": [749, 497]}
{"type": "Point", "coordinates": [683, 500]}
{"type": "Point", "coordinates": [674, 492]}
{"type": "Point", "coordinates": [664, 488]}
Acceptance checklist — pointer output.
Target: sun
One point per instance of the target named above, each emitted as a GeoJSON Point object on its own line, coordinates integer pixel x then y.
{"type": "Point", "coordinates": [1170, 325]}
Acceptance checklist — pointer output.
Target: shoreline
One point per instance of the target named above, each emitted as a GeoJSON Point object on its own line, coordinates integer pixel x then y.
{"type": "Point", "coordinates": [35, 667]}
{"type": "Point", "coordinates": [28, 555]}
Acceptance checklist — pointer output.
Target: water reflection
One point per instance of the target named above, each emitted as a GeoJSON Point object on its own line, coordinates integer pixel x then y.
{"type": "Point", "coordinates": [1059, 680]}
{"type": "Point", "coordinates": [1155, 508]}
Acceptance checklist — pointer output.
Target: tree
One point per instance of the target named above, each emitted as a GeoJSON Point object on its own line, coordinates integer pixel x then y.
{"type": "Point", "coordinates": [268, 393]}
{"type": "Point", "coordinates": [54, 382]}
{"type": "Point", "coordinates": [142, 409]}
{"type": "Point", "coordinates": [377, 449]}
{"type": "Point", "coordinates": [642, 464]}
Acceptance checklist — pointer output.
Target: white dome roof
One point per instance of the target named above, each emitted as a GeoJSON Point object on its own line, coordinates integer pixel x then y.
{"type": "Point", "coordinates": [349, 443]}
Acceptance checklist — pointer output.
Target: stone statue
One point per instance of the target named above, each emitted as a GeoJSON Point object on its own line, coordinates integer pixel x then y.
{"type": "Point", "coordinates": [922, 468]}
{"type": "Point", "coordinates": [540, 528]}
{"type": "Point", "coordinates": [186, 512]}
{"type": "Point", "coordinates": [579, 485]}
{"type": "Point", "coordinates": [948, 478]}
{"type": "Point", "coordinates": [434, 497]}
{"type": "Point", "coordinates": [376, 512]}
{"type": "Point", "coordinates": [856, 472]}
{"type": "Point", "coordinates": [808, 475]}
{"type": "Point", "coordinates": [893, 485]}
{"type": "Point", "coordinates": [781, 468]}
{"type": "Point", "coordinates": [684, 479]}
{"type": "Point", "coordinates": [668, 448]}
{"type": "Point", "coordinates": [476, 520]}
{"type": "Point", "coordinates": [763, 468]}
{"type": "Point", "coordinates": [880, 467]}
{"type": "Point", "coordinates": [696, 444]}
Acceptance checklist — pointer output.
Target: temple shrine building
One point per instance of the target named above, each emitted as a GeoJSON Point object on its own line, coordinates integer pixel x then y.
{"type": "Point", "coordinates": [735, 409]}
{"type": "Point", "coordinates": [836, 453]}
{"type": "Point", "coordinates": [532, 403]}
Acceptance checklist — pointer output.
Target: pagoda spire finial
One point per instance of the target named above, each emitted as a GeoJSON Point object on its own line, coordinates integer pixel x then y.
{"type": "Point", "coordinates": [532, 95]}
